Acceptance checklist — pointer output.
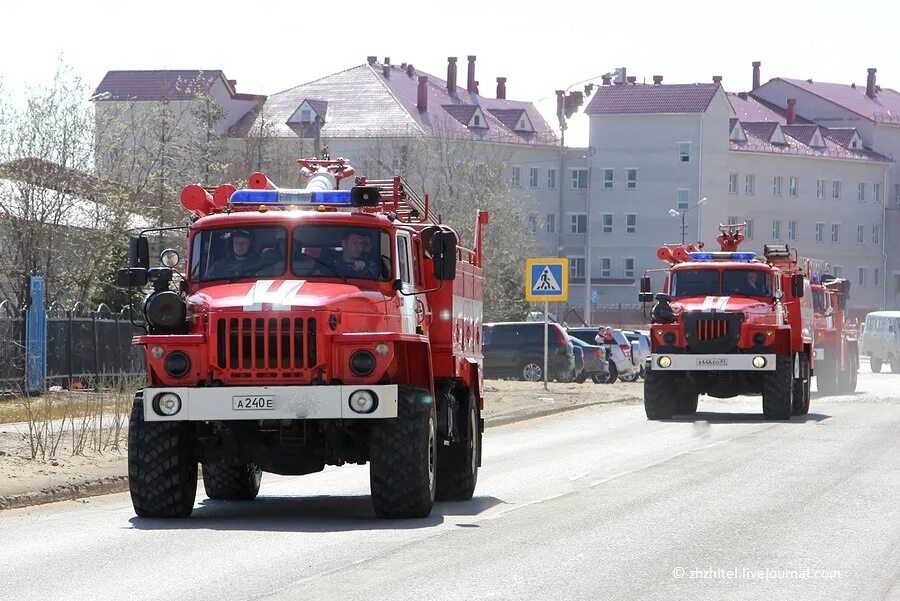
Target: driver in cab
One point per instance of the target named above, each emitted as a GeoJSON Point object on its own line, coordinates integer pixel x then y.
{"type": "Point", "coordinates": [241, 258]}
{"type": "Point", "coordinates": [352, 262]}
{"type": "Point", "coordinates": [754, 285]}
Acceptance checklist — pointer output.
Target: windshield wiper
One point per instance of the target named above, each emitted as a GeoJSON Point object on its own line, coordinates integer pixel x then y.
{"type": "Point", "coordinates": [330, 268]}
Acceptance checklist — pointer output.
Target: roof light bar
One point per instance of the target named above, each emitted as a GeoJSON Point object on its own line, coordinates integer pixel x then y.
{"type": "Point", "coordinates": [722, 256]}
{"type": "Point", "coordinates": [290, 197]}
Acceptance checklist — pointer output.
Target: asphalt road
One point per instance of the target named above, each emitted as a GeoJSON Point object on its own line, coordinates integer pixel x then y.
{"type": "Point", "coordinates": [593, 504]}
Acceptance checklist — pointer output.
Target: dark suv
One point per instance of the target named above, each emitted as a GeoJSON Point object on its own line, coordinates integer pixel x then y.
{"type": "Point", "coordinates": [516, 350]}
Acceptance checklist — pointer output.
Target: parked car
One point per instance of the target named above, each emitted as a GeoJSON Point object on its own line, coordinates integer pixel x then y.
{"type": "Point", "coordinates": [640, 348]}
{"type": "Point", "coordinates": [596, 367]}
{"type": "Point", "coordinates": [880, 340]}
{"type": "Point", "coordinates": [578, 374]}
{"type": "Point", "coordinates": [515, 349]}
{"type": "Point", "coordinates": [619, 357]}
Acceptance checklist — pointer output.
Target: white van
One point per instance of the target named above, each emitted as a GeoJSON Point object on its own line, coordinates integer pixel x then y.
{"type": "Point", "coordinates": [881, 339]}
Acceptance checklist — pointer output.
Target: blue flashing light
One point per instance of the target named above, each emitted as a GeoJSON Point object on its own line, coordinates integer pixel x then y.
{"type": "Point", "coordinates": [700, 256]}
{"type": "Point", "coordinates": [290, 197]}
{"type": "Point", "coordinates": [744, 256]}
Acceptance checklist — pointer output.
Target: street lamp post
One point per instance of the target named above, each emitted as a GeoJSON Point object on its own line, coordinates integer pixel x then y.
{"type": "Point", "coordinates": [681, 214]}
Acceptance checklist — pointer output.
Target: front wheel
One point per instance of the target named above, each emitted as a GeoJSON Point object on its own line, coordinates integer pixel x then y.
{"type": "Point", "coordinates": [875, 364]}
{"type": "Point", "coordinates": [631, 376]}
{"type": "Point", "coordinates": [403, 458]}
{"type": "Point", "coordinates": [531, 371]}
{"type": "Point", "coordinates": [609, 377]}
{"type": "Point", "coordinates": [659, 399]}
{"type": "Point", "coordinates": [778, 389]}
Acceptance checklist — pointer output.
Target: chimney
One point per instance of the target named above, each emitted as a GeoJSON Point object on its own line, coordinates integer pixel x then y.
{"type": "Point", "coordinates": [371, 59]}
{"type": "Point", "coordinates": [471, 86]}
{"type": "Point", "coordinates": [756, 66]}
{"type": "Point", "coordinates": [870, 83]}
{"type": "Point", "coordinates": [632, 79]}
{"type": "Point", "coordinates": [607, 80]}
{"type": "Point", "coordinates": [657, 79]}
{"type": "Point", "coordinates": [451, 74]}
{"type": "Point", "coordinates": [501, 88]}
{"type": "Point", "coordinates": [717, 79]}
{"type": "Point", "coordinates": [791, 111]}
{"type": "Point", "coordinates": [409, 70]}
{"type": "Point", "coordinates": [422, 102]}
{"type": "Point", "coordinates": [742, 95]}
{"type": "Point", "coordinates": [621, 79]}
{"type": "Point", "coordinates": [232, 83]}
{"type": "Point", "coordinates": [387, 60]}
{"type": "Point", "coordinates": [386, 67]}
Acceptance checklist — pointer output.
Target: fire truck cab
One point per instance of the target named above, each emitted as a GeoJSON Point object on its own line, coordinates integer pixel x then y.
{"type": "Point", "coordinates": [309, 328]}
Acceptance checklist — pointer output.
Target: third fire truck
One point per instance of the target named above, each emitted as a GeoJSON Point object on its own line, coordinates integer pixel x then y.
{"type": "Point", "coordinates": [837, 338]}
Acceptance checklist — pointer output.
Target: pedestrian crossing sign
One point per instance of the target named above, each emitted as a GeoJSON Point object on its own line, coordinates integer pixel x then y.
{"type": "Point", "coordinates": [547, 280]}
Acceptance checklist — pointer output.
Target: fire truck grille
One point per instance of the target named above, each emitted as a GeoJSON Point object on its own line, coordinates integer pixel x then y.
{"type": "Point", "coordinates": [708, 332]}
{"type": "Point", "coordinates": [274, 345]}
{"type": "Point", "coordinates": [710, 329]}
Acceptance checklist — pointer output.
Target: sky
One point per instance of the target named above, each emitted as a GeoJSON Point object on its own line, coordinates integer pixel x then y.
{"type": "Point", "coordinates": [539, 47]}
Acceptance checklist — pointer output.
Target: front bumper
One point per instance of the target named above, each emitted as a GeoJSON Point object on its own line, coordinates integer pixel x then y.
{"type": "Point", "coordinates": [287, 402]}
{"type": "Point", "coordinates": [714, 362]}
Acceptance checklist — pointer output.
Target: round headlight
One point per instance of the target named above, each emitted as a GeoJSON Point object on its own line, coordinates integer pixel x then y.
{"type": "Point", "coordinates": [177, 364]}
{"type": "Point", "coordinates": [165, 310]}
{"type": "Point", "coordinates": [167, 403]}
{"type": "Point", "coordinates": [759, 362]}
{"type": "Point", "coordinates": [362, 363]}
{"type": "Point", "coordinates": [664, 361]}
{"type": "Point", "coordinates": [669, 337]}
{"type": "Point", "coordinates": [169, 257]}
{"type": "Point", "coordinates": [363, 401]}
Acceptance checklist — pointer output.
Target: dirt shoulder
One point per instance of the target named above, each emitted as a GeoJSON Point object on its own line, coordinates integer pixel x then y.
{"type": "Point", "coordinates": [99, 465]}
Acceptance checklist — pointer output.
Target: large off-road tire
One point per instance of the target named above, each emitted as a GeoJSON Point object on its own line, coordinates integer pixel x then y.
{"type": "Point", "coordinates": [403, 458]}
{"type": "Point", "coordinates": [827, 375]}
{"type": "Point", "coordinates": [162, 469]}
{"type": "Point", "coordinates": [459, 462]}
{"type": "Point", "coordinates": [531, 371]}
{"type": "Point", "coordinates": [659, 395]}
{"type": "Point", "coordinates": [686, 403]}
{"type": "Point", "coordinates": [875, 364]}
{"type": "Point", "coordinates": [802, 390]}
{"type": "Point", "coordinates": [231, 481]}
{"type": "Point", "coordinates": [854, 372]}
{"type": "Point", "coordinates": [778, 387]}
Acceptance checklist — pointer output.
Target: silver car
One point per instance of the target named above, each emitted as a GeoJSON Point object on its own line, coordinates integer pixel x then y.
{"type": "Point", "coordinates": [620, 365]}
{"type": "Point", "coordinates": [640, 348]}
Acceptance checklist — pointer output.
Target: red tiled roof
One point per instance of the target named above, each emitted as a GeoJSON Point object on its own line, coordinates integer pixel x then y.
{"type": "Point", "coordinates": [802, 133]}
{"type": "Point", "coordinates": [885, 107]}
{"type": "Point", "coordinates": [841, 135]}
{"type": "Point", "coordinates": [461, 112]}
{"type": "Point", "coordinates": [758, 135]}
{"type": "Point", "coordinates": [665, 98]}
{"type": "Point", "coordinates": [155, 85]}
{"type": "Point", "coordinates": [508, 117]}
{"type": "Point", "coordinates": [748, 108]}
{"type": "Point", "coordinates": [762, 130]}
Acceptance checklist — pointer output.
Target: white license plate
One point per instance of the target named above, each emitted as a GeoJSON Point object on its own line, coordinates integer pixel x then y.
{"type": "Point", "coordinates": [723, 362]}
{"type": "Point", "coordinates": [252, 403]}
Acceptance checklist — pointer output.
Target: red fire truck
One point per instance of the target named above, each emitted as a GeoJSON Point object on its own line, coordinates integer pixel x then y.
{"type": "Point", "coordinates": [309, 327]}
{"type": "Point", "coordinates": [729, 323]}
{"type": "Point", "coordinates": [837, 338]}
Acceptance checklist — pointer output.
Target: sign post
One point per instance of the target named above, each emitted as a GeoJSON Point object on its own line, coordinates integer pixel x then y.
{"type": "Point", "coordinates": [546, 280]}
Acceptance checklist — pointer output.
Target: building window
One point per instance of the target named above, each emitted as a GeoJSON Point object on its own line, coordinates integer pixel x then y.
{"type": "Point", "coordinates": [684, 152]}
{"type": "Point", "coordinates": [608, 179]}
{"type": "Point", "coordinates": [820, 189]}
{"type": "Point", "coordinates": [631, 179]}
{"type": "Point", "coordinates": [577, 223]}
{"type": "Point", "coordinates": [836, 233]}
{"type": "Point", "coordinates": [533, 174]}
{"type": "Point", "coordinates": [306, 116]}
{"type": "Point", "coordinates": [876, 277]}
{"type": "Point", "coordinates": [630, 223]}
{"type": "Point", "coordinates": [862, 277]}
{"type": "Point", "coordinates": [576, 267]}
{"type": "Point", "coordinates": [836, 190]}
{"type": "Point", "coordinates": [837, 270]}
{"type": "Point", "coordinates": [629, 267]}
{"type": "Point", "coordinates": [517, 177]}
{"type": "Point", "coordinates": [793, 187]}
{"type": "Point", "coordinates": [749, 184]}
{"type": "Point", "coordinates": [776, 185]}
{"type": "Point", "coordinates": [476, 121]}
{"type": "Point", "coordinates": [792, 230]}
{"type": "Point", "coordinates": [820, 232]}
{"type": "Point", "coordinates": [551, 223]}
{"type": "Point", "coordinates": [862, 191]}
{"type": "Point", "coordinates": [605, 263]}
{"type": "Point", "coordinates": [776, 230]}
{"type": "Point", "coordinates": [876, 192]}
{"type": "Point", "coordinates": [551, 179]}
{"type": "Point", "coordinates": [748, 231]}
{"type": "Point", "coordinates": [860, 234]}
{"type": "Point", "coordinates": [532, 223]}
{"type": "Point", "coordinates": [876, 234]}
{"type": "Point", "coordinates": [579, 179]}
{"type": "Point", "coordinates": [732, 183]}
{"type": "Point", "coordinates": [681, 198]}
{"type": "Point", "coordinates": [607, 226]}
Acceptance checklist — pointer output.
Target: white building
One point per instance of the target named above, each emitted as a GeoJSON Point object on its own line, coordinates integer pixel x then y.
{"type": "Point", "coordinates": [658, 149]}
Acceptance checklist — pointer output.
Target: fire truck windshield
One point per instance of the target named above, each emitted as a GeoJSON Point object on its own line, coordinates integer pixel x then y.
{"type": "Point", "coordinates": [346, 252]}
{"type": "Point", "coordinates": [712, 282]}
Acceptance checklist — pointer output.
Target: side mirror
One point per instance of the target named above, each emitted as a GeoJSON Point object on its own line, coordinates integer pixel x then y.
{"type": "Point", "coordinates": [797, 285]}
{"type": "Point", "coordinates": [646, 294]}
{"type": "Point", "coordinates": [138, 252]}
{"type": "Point", "coordinates": [131, 277]}
{"type": "Point", "coordinates": [443, 253]}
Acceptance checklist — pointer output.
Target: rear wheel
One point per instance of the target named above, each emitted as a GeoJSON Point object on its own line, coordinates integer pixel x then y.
{"type": "Point", "coordinates": [659, 399]}
{"type": "Point", "coordinates": [875, 363]}
{"type": "Point", "coordinates": [801, 392]}
{"type": "Point", "coordinates": [778, 389]}
{"type": "Point", "coordinates": [631, 376]}
{"type": "Point", "coordinates": [231, 481]}
{"type": "Point", "coordinates": [826, 375]}
{"type": "Point", "coordinates": [460, 461]}
{"type": "Point", "coordinates": [531, 371]}
{"type": "Point", "coordinates": [610, 377]}
{"type": "Point", "coordinates": [403, 458]}
{"type": "Point", "coordinates": [854, 371]}
{"type": "Point", "coordinates": [581, 379]}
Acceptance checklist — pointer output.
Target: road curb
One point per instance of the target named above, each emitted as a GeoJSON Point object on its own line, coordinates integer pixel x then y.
{"type": "Point", "coordinates": [118, 484]}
